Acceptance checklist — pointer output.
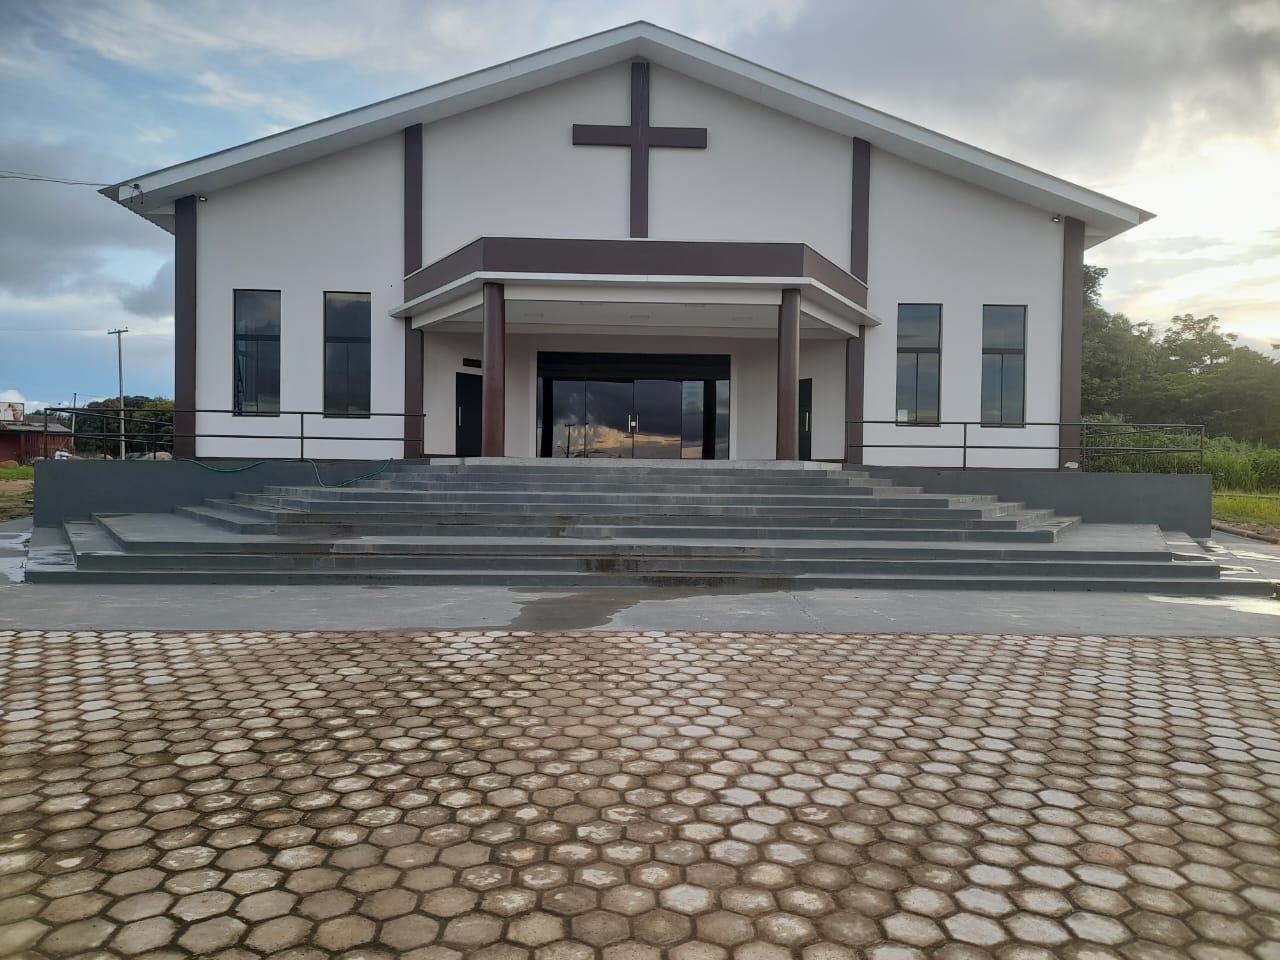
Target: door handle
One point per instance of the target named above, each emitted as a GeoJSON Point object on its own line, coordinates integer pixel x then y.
{"type": "Point", "coordinates": [459, 416]}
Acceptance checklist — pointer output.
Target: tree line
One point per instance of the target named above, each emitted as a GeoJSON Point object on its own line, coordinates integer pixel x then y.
{"type": "Point", "coordinates": [1192, 373]}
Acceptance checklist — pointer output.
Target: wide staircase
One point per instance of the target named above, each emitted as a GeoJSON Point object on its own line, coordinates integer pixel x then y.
{"type": "Point", "coordinates": [572, 524]}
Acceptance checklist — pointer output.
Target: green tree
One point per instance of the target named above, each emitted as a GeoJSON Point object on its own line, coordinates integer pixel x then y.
{"type": "Point", "coordinates": [1194, 373]}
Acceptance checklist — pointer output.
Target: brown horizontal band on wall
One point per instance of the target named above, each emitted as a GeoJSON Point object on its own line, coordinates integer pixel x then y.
{"type": "Point", "coordinates": [539, 255]}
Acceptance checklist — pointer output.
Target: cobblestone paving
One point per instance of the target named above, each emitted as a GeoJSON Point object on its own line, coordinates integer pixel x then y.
{"type": "Point", "coordinates": [503, 796]}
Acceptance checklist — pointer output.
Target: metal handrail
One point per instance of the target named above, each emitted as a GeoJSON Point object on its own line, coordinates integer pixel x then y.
{"type": "Point", "coordinates": [1088, 431]}
{"type": "Point", "coordinates": [167, 418]}
{"type": "Point", "coordinates": [1084, 447]}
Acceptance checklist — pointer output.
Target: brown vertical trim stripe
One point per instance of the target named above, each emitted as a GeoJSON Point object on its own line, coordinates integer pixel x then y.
{"type": "Point", "coordinates": [493, 402]}
{"type": "Point", "coordinates": [413, 353]}
{"type": "Point", "coordinates": [184, 327]}
{"type": "Point", "coordinates": [859, 254]}
{"type": "Point", "coordinates": [788, 447]}
{"type": "Point", "coordinates": [1069, 402]}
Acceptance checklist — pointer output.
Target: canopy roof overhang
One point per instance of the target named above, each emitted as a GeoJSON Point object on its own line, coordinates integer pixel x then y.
{"type": "Point", "coordinates": [723, 287]}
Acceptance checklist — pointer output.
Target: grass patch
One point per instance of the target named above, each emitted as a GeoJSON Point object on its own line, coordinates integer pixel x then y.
{"type": "Point", "coordinates": [17, 473]}
{"type": "Point", "coordinates": [15, 505]}
{"type": "Point", "coordinates": [1257, 511]}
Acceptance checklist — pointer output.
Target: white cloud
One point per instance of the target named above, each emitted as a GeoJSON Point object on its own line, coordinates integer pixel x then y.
{"type": "Point", "coordinates": [223, 93]}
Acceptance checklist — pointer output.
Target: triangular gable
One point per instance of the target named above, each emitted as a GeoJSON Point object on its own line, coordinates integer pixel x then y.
{"type": "Point", "coordinates": [152, 194]}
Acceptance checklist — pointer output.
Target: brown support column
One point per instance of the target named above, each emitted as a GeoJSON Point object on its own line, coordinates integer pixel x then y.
{"type": "Point", "coordinates": [413, 358]}
{"type": "Point", "coordinates": [789, 376]}
{"type": "Point", "coordinates": [1072, 339]}
{"type": "Point", "coordinates": [184, 327]}
{"type": "Point", "coordinates": [855, 347]}
{"type": "Point", "coordinates": [493, 403]}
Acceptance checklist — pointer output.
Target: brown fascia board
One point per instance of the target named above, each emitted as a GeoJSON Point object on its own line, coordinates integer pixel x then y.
{"type": "Point", "coordinates": [537, 255]}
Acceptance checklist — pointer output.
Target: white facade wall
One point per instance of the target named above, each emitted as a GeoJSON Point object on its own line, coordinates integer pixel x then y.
{"type": "Point", "coordinates": [764, 176]}
{"type": "Point", "coordinates": [934, 239]}
{"type": "Point", "coordinates": [511, 170]}
{"type": "Point", "coordinates": [334, 224]}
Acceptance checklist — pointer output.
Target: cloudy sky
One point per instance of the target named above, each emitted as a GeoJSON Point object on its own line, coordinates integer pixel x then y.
{"type": "Point", "coordinates": [1172, 105]}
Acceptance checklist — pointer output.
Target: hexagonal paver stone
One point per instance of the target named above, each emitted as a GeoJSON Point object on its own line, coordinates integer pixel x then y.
{"type": "Point", "coordinates": [971, 928]}
{"type": "Point", "coordinates": [1097, 929]}
{"type": "Point", "coordinates": [409, 932]}
{"type": "Point", "coordinates": [340, 933]}
{"type": "Point", "coordinates": [687, 898]}
{"type": "Point", "coordinates": [725, 928]}
{"type": "Point", "coordinates": [600, 928]}
{"type": "Point", "coordinates": [143, 935]}
{"type": "Point", "coordinates": [662, 927]}
{"type": "Point", "coordinates": [208, 936]}
{"type": "Point", "coordinates": [535, 929]}
{"type": "Point", "coordinates": [913, 929]}
{"type": "Point", "coordinates": [472, 930]}
{"type": "Point", "coordinates": [278, 933]}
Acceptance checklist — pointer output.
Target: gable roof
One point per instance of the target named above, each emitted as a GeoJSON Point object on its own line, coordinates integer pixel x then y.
{"type": "Point", "coordinates": [151, 194]}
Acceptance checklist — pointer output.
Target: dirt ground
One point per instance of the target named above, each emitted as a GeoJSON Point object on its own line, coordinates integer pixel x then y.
{"type": "Point", "coordinates": [15, 499]}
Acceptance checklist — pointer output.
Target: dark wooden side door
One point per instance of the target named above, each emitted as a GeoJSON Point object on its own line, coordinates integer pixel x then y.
{"type": "Point", "coordinates": [806, 419]}
{"type": "Point", "coordinates": [467, 437]}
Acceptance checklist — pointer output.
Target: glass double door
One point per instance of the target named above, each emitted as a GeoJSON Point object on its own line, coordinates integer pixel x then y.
{"type": "Point", "coordinates": [620, 419]}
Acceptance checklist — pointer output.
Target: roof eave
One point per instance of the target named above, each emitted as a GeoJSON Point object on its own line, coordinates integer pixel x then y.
{"type": "Point", "coordinates": [1104, 216]}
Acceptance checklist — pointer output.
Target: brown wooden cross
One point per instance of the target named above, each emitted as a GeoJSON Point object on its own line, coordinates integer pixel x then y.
{"type": "Point", "coordinates": [639, 136]}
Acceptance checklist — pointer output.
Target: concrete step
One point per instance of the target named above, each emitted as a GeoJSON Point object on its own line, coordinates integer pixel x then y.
{"type": "Point", "coordinates": [351, 507]}
{"type": "Point", "coordinates": [576, 581]}
{"type": "Point", "coordinates": [247, 519]}
{"type": "Point", "coordinates": [612, 495]}
{"type": "Point", "coordinates": [570, 486]}
{"type": "Point", "coordinates": [170, 536]}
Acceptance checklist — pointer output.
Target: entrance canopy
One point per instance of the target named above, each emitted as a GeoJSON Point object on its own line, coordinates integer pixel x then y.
{"type": "Point", "coordinates": [728, 287]}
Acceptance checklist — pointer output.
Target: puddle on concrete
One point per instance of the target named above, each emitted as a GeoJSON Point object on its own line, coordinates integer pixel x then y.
{"type": "Point", "coordinates": [596, 606]}
{"type": "Point", "coordinates": [13, 555]}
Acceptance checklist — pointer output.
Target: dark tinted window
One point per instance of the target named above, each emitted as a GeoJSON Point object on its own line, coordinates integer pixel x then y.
{"type": "Point", "coordinates": [1004, 364]}
{"type": "Point", "coordinates": [347, 373]}
{"type": "Point", "coordinates": [919, 362]}
{"type": "Point", "coordinates": [256, 390]}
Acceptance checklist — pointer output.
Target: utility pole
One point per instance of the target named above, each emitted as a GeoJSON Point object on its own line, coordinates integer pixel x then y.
{"type": "Point", "coordinates": [74, 397]}
{"type": "Point", "coordinates": [120, 372]}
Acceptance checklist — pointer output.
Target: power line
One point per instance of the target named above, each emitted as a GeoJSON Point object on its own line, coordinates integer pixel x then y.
{"type": "Point", "coordinates": [39, 178]}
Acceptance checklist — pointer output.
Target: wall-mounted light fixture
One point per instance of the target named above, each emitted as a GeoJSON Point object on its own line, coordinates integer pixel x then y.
{"type": "Point", "coordinates": [203, 199]}
{"type": "Point", "coordinates": [1056, 218]}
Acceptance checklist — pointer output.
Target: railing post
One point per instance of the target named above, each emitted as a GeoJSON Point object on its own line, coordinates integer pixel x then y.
{"type": "Point", "coordinates": [44, 434]}
{"type": "Point", "coordinates": [1202, 448]}
{"type": "Point", "coordinates": [302, 435]}
{"type": "Point", "coordinates": [964, 446]}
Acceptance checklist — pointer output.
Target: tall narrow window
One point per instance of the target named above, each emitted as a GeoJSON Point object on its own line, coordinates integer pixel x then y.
{"type": "Point", "coordinates": [346, 354]}
{"type": "Point", "coordinates": [257, 353]}
{"type": "Point", "coordinates": [919, 344]}
{"type": "Point", "coordinates": [1004, 351]}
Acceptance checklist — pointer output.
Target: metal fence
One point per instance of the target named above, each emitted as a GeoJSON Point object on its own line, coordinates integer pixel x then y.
{"type": "Point", "coordinates": [1093, 440]}
{"type": "Point", "coordinates": [136, 428]}
{"type": "Point", "coordinates": [158, 430]}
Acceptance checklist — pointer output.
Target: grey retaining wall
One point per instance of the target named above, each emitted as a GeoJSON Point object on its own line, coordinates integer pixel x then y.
{"type": "Point", "coordinates": [76, 489]}
{"type": "Point", "coordinates": [1174, 501]}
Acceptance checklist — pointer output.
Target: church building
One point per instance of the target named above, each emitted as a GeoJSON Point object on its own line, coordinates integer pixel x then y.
{"type": "Point", "coordinates": [632, 245]}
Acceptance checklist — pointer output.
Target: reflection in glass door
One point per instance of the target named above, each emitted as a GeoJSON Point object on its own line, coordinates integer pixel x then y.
{"type": "Point", "coordinates": [656, 420]}
{"type": "Point", "coordinates": [609, 419]}
{"type": "Point", "coordinates": [624, 406]}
